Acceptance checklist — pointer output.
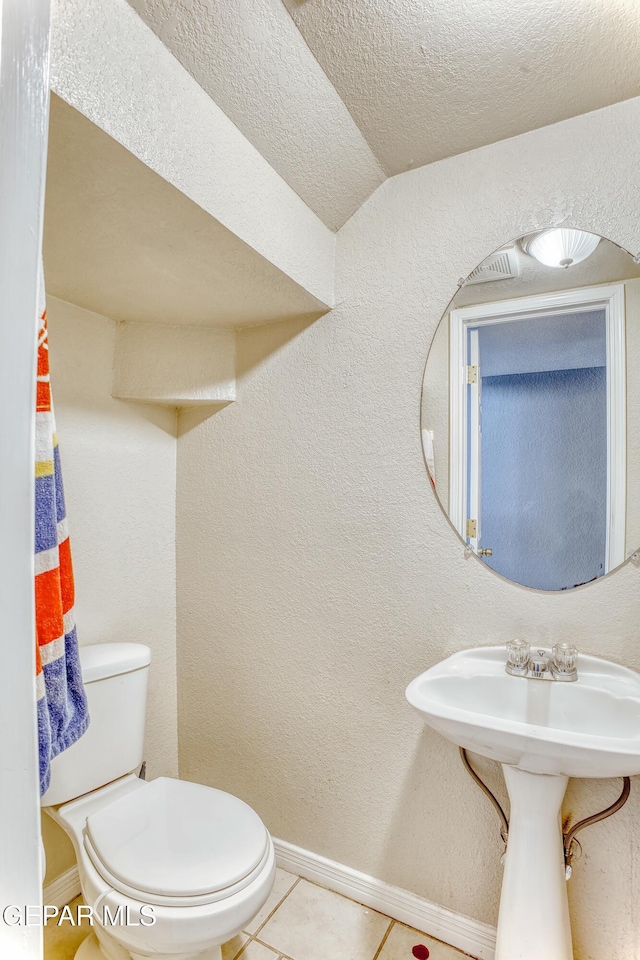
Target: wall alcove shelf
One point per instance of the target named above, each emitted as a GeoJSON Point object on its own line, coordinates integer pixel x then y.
{"type": "Point", "coordinates": [125, 243]}
{"type": "Point", "coordinates": [175, 366]}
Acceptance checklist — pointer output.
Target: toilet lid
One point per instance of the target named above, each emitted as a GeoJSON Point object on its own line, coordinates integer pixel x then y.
{"type": "Point", "coordinates": [177, 839]}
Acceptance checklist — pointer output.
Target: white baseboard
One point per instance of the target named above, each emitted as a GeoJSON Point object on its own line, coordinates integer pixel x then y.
{"type": "Point", "coordinates": [63, 889]}
{"type": "Point", "coordinates": [470, 936]}
{"type": "Point", "coordinates": [463, 933]}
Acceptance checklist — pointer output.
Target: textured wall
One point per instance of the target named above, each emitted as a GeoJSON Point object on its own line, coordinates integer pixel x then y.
{"type": "Point", "coordinates": [118, 463]}
{"type": "Point", "coordinates": [121, 241]}
{"type": "Point", "coordinates": [317, 574]}
{"type": "Point", "coordinates": [111, 67]}
{"type": "Point", "coordinates": [561, 342]}
{"type": "Point", "coordinates": [251, 59]}
{"type": "Point", "coordinates": [174, 365]}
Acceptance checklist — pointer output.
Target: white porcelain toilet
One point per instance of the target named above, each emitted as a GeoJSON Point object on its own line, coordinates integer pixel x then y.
{"type": "Point", "coordinates": [198, 860]}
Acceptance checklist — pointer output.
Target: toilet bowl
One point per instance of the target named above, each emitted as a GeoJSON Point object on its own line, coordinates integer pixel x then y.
{"type": "Point", "coordinates": [171, 869]}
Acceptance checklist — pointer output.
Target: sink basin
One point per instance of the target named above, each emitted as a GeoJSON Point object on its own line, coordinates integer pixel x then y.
{"type": "Point", "coordinates": [542, 732]}
{"type": "Point", "coordinates": [588, 728]}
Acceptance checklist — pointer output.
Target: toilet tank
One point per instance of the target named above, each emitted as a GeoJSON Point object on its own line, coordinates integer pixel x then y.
{"type": "Point", "coordinates": [115, 681]}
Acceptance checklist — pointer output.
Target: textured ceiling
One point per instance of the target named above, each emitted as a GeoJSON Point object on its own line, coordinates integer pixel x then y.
{"type": "Point", "coordinates": [373, 86]}
{"type": "Point", "coordinates": [121, 241]}
{"type": "Point", "coordinates": [427, 79]}
{"type": "Point", "coordinates": [250, 58]}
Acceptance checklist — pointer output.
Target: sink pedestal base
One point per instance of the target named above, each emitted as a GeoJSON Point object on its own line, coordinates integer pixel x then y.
{"type": "Point", "coordinates": [533, 923]}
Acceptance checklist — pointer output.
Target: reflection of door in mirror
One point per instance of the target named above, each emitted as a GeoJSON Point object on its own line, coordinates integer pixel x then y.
{"type": "Point", "coordinates": [538, 491]}
{"type": "Point", "coordinates": [530, 409]}
{"type": "Point", "coordinates": [544, 409]}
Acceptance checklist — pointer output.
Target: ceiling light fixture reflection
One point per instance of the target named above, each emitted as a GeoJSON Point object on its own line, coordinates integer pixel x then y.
{"type": "Point", "coordinates": [560, 246]}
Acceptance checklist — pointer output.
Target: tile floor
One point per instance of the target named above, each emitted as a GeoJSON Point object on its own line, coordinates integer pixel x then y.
{"type": "Point", "coordinates": [300, 921]}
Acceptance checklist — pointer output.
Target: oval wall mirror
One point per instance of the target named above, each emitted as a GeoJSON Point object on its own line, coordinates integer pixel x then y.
{"type": "Point", "coordinates": [531, 409]}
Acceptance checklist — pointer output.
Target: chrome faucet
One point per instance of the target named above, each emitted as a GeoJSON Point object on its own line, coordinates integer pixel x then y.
{"type": "Point", "coordinates": [540, 665]}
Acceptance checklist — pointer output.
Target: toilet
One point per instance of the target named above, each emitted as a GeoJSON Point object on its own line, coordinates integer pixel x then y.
{"type": "Point", "coordinates": [172, 869]}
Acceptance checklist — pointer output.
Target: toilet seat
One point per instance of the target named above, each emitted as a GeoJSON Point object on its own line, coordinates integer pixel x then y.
{"type": "Point", "coordinates": [177, 843]}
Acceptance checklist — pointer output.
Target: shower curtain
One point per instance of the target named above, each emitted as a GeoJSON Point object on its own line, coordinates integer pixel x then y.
{"type": "Point", "coordinates": [62, 705]}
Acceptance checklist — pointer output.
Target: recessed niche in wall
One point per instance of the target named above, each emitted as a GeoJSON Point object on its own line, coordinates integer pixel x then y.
{"type": "Point", "coordinates": [172, 366]}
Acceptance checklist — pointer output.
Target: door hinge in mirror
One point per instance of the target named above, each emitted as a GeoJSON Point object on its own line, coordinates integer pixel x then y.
{"type": "Point", "coordinates": [472, 374]}
{"type": "Point", "coordinates": [471, 528]}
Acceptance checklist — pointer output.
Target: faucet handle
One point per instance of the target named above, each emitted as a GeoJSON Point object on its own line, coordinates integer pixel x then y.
{"type": "Point", "coordinates": [518, 653]}
{"type": "Point", "coordinates": [565, 658]}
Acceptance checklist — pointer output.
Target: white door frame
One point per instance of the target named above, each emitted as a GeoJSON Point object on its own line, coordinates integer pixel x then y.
{"type": "Point", "coordinates": [473, 408]}
{"type": "Point", "coordinates": [610, 298]}
{"type": "Point", "coordinates": [24, 104]}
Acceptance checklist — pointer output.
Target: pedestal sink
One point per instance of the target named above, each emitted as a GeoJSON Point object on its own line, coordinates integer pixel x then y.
{"type": "Point", "coordinates": [542, 733]}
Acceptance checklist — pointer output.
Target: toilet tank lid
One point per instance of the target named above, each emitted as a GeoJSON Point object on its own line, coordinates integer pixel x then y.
{"type": "Point", "coordinates": [102, 660]}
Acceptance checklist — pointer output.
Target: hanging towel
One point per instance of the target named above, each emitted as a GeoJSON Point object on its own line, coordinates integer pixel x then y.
{"type": "Point", "coordinates": [62, 705]}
